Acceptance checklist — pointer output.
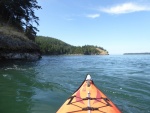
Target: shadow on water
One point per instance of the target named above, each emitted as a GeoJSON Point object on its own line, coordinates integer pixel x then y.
{"type": "Point", "coordinates": [15, 93]}
{"type": "Point", "coordinates": [22, 91]}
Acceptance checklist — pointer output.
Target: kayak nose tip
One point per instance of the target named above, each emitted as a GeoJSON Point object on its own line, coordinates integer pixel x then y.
{"type": "Point", "coordinates": [88, 77]}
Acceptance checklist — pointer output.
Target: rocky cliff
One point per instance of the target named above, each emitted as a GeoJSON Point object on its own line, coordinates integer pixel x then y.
{"type": "Point", "coordinates": [102, 51]}
{"type": "Point", "coordinates": [15, 45]}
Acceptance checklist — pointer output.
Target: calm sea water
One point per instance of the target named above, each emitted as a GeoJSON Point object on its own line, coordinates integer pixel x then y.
{"type": "Point", "coordinates": [43, 86]}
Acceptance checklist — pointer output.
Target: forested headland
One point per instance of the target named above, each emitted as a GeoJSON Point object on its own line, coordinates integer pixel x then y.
{"type": "Point", "coordinates": [53, 46]}
{"type": "Point", "coordinates": [18, 39]}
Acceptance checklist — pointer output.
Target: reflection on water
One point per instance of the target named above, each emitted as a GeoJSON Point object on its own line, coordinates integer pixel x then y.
{"type": "Point", "coordinates": [43, 86]}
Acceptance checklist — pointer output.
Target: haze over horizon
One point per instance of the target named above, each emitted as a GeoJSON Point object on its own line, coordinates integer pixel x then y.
{"type": "Point", "coordinates": [117, 26]}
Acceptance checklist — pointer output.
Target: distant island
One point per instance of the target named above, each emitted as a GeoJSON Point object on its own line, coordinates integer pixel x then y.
{"type": "Point", "coordinates": [145, 53]}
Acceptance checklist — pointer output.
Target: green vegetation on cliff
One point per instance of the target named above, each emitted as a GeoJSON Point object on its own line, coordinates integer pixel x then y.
{"type": "Point", "coordinates": [15, 45]}
{"type": "Point", "coordinates": [52, 46]}
{"type": "Point", "coordinates": [12, 40]}
{"type": "Point", "coordinates": [20, 14]}
{"type": "Point", "coordinates": [17, 31]}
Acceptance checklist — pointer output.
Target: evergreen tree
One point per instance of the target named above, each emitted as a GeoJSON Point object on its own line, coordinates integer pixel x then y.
{"type": "Point", "coordinates": [52, 46]}
{"type": "Point", "coordinates": [20, 14]}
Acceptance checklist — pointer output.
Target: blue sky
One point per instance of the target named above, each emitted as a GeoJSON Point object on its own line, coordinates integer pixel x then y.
{"type": "Point", "coordinates": [119, 26]}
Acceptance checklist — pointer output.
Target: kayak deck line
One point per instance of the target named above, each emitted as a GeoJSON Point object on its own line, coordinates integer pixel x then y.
{"type": "Point", "coordinates": [88, 99]}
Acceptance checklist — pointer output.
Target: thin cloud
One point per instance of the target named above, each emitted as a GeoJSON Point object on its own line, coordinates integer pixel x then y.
{"type": "Point", "coordinates": [93, 16]}
{"type": "Point", "coordinates": [125, 8]}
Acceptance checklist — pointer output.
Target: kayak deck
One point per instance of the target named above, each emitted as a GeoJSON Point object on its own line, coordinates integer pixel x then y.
{"type": "Point", "coordinates": [88, 99]}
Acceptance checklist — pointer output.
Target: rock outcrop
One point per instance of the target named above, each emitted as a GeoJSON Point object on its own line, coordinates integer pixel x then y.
{"type": "Point", "coordinates": [16, 47]}
{"type": "Point", "coordinates": [102, 51]}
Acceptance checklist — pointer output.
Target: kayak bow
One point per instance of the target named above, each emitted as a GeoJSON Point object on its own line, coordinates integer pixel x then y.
{"type": "Point", "coordinates": [88, 99]}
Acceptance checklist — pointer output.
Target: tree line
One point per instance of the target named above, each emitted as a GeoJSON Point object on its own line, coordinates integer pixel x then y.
{"type": "Point", "coordinates": [20, 14]}
{"type": "Point", "coordinates": [52, 46]}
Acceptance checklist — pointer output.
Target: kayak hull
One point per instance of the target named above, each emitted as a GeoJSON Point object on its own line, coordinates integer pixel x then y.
{"type": "Point", "coordinates": [88, 99]}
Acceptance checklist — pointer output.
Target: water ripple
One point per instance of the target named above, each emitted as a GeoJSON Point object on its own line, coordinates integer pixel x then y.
{"type": "Point", "coordinates": [43, 86]}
